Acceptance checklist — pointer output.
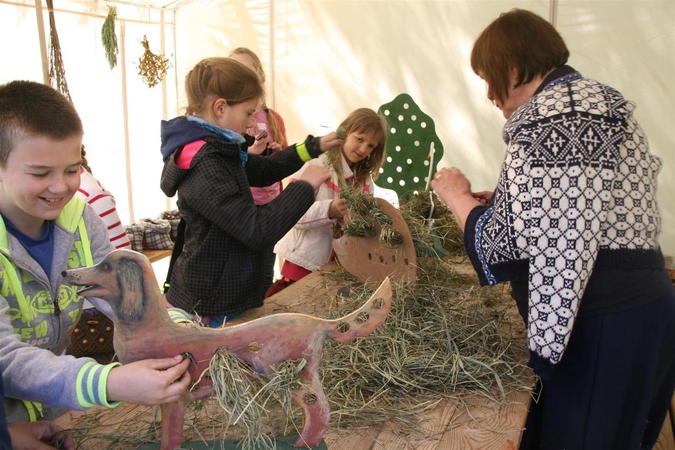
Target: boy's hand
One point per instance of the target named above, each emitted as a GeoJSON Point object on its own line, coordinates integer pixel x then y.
{"type": "Point", "coordinates": [329, 141]}
{"type": "Point", "coordinates": [150, 381]}
{"type": "Point", "coordinates": [41, 435]}
{"type": "Point", "coordinates": [315, 175]}
{"type": "Point", "coordinates": [338, 208]}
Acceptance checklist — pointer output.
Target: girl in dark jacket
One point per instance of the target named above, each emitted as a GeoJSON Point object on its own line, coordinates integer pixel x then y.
{"type": "Point", "coordinates": [219, 273]}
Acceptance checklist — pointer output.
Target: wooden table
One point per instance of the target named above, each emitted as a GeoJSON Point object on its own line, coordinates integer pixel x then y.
{"type": "Point", "coordinates": [483, 425]}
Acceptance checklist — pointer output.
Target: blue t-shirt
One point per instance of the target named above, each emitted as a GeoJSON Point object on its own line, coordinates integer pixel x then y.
{"type": "Point", "coordinates": [41, 249]}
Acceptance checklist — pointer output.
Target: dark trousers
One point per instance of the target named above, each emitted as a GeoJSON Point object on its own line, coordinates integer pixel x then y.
{"type": "Point", "coordinates": [270, 260]}
{"type": "Point", "coordinates": [613, 386]}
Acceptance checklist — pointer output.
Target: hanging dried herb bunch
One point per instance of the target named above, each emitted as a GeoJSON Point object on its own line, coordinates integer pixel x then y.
{"type": "Point", "coordinates": [57, 71]}
{"type": "Point", "coordinates": [151, 67]}
{"type": "Point", "coordinates": [109, 38]}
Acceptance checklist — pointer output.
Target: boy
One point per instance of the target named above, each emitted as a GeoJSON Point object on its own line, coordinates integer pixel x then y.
{"type": "Point", "coordinates": [43, 231]}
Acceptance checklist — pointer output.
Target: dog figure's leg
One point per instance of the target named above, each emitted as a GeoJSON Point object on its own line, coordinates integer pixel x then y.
{"type": "Point", "coordinates": [315, 407]}
{"type": "Point", "coordinates": [173, 417]}
{"type": "Point", "coordinates": [359, 323]}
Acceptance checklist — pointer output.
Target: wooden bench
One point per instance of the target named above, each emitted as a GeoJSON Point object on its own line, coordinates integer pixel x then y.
{"type": "Point", "coordinates": [156, 255]}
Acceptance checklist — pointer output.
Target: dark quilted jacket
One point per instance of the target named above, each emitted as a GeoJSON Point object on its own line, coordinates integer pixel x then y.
{"type": "Point", "coordinates": [221, 268]}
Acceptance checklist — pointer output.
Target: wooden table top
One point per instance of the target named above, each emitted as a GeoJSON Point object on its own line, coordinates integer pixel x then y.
{"type": "Point", "coordinates": [483, 425]}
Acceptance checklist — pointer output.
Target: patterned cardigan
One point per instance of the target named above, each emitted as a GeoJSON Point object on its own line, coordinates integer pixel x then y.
{"type": "Point", "coordinates": [577, 187]}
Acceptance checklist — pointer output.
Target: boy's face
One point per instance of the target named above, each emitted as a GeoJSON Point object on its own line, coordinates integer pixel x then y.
{"type": "Point", "coordinates": [41, 176]}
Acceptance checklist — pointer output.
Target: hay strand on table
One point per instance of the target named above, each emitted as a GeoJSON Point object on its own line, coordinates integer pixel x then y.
{"type": "Point", "coordinates": [439, 342]}
{"type": "Point", "coordinates": [445, 340]}
{"type": "Point", "coordinates": [246, 396]}
{"type": "Point", "coordinates": [442, 230]}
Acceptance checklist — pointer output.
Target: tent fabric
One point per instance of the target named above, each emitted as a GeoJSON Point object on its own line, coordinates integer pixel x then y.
{"type": "Point", "coordinates": [324, 59]}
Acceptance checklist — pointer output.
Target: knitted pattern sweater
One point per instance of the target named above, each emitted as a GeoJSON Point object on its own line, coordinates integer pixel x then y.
{"type": "Point", "coordinates": [577, 190]}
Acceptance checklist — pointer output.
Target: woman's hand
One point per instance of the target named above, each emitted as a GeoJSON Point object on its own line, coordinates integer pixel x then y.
{"type": "Point", "coordinates": [329, 141]}
{"type": "Point", "coordinates": [484, 197]}
{"type": "Point", "coordinates": [150, 381]}
{"type": "Point", "coordinates": [450, 183]}
{"type": "Point", "coordinates": [454, 189]}
{"type": "Point", "coordinates": [40, 435]}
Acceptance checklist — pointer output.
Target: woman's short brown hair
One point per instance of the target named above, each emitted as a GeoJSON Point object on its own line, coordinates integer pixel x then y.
{"type": "Point", "coordinates": [519, 39]}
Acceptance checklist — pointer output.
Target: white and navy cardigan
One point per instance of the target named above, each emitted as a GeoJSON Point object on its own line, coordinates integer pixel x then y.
{"type": "Point", "coordinates": [577, 188]}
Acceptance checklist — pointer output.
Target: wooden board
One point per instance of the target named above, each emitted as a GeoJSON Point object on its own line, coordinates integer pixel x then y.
{"type": "Point", "coordinates": [370, 261]}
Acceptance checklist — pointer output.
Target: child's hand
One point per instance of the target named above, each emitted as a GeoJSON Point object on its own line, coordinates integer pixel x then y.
{"type": "Point", "coordinates": [40, 435]}
{"type": "Point", "coordinates": [315, 175]}
{"type": "Point", "coordinates": [150, 381]}
{"type": "Point", "coordinates": [338, 208]}
{"type": "Point", "coordinates": [257, 147]}
{"type": "Point", "coordinates": [329, 141]}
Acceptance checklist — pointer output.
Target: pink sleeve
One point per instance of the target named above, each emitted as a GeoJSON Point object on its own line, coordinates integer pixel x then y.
{"type": "Point", "coordinates": [187, 153]}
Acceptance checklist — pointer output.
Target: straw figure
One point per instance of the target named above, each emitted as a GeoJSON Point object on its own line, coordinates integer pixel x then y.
{"type": "Point", "coordinates": [143, 329]}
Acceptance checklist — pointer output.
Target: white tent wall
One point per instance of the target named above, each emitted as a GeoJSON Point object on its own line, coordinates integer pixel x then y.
{"type": "Point", "coordinates": [120, 113]}
{"type": "Point", "coordinates": [325, 58]}
{"type": "Point", "coordinates": [330, 57]}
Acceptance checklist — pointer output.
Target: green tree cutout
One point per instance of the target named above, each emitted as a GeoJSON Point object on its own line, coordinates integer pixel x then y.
{"type": "Point", "coordinates": [411, 132]}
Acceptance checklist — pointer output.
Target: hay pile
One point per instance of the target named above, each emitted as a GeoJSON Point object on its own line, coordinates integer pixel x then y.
{"type": "Point", "coordinates": [445, 339]}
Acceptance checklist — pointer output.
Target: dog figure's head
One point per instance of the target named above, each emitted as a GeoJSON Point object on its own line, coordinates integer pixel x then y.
{"type": "Point", "coordinates": [120, 279]}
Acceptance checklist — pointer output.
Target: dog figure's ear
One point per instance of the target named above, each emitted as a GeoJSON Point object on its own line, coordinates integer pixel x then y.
{"type": "Point", "coordinates": [130, 278]}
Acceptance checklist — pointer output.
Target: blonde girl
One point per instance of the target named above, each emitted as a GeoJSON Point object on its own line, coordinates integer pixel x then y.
{"type": "Point", "coordinates": [308, 245]}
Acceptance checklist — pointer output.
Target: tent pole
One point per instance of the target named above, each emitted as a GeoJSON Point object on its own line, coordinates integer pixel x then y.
{"type": "Point", "coordinates": [272, 55]}
{"type": "Point", "coordinates": [125, 115]}
{"type": "Point", "coordinates": [43, 40]}
{"type": "Point", "coordinates": [553, 12]}
{"type": "Point", "coordinates": [165, 112]}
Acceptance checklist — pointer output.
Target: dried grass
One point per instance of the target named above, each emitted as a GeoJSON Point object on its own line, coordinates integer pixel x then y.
{"type": "Point", "coordinates": [445, 339]}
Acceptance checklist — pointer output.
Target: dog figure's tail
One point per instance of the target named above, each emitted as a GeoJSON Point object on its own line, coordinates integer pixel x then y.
{"type": "Point", "coordinates": [364, 320]}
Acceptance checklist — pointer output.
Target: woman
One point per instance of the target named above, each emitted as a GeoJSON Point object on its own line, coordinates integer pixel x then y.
{"type": "Point", "coordinates": [573, 225]}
